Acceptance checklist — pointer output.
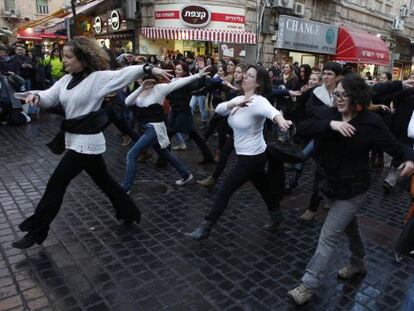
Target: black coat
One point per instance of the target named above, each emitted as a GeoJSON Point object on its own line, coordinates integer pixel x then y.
{"type": "Point", "coordinates": [343, 161]}
{"type": "Point", "coordinates": [182, 119]}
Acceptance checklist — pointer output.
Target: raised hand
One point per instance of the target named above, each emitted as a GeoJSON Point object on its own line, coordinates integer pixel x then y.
{"type": "Point", "coordinates": [344, 128]}
{"type": "Point", "coordinates": [161, 74]}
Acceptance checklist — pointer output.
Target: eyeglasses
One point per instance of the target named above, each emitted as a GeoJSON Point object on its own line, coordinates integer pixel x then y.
{"type": "Point", "coordinates": [342, 96]}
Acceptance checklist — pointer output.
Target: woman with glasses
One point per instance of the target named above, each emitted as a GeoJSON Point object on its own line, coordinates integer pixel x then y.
{"type": "Point", "coordinates": [344, 135]}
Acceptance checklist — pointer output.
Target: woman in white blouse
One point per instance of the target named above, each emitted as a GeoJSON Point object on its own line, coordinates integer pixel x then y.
{"type": "Point", "coordinates": [80, 93]}
{"type": "Point", "coordinates": [246, 116]}
{"type": "Point", "coordinates": [148, 99]}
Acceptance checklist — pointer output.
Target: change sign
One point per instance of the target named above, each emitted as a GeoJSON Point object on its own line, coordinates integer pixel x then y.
{"type": "Point", "coordinates": [303, 35]}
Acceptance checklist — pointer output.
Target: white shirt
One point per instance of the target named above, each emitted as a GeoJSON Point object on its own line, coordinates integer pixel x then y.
{"type": "Point", "coordinates": [247, 123]}
{"type": "Point", "coordinates": [157, 95]}
{"type": "Point", "coordinates": [87, 97]}
{"type": "Point", "coordinates": [410, 130]}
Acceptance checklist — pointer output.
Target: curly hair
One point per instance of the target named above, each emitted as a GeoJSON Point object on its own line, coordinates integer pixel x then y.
{"type": "Point", "coordinates": [89, 53]}
{"type": "Point", "coordinates": [357, 90]}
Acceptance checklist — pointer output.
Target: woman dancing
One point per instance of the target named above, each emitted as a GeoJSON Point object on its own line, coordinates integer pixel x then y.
{"type": "Point", "coordinates": [149, 98]}
{"type": "Point", "coordinates": [81, 93]}
{"type": "Point", "coordinates": [246, 116]}
{"type": "Point", "coordinates": [344, 135]}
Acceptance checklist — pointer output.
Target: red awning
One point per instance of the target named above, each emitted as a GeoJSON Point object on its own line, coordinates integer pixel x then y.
{"type": "Point", "coordinates": [230, 36]}
{"type": "Point", "coordinates": [357, 46]}
{"type": "Point", "coordinates": [29, 34]}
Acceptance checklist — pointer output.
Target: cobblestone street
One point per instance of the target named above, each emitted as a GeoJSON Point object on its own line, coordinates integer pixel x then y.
{"type": "Point", "coordinates": [92, 262]}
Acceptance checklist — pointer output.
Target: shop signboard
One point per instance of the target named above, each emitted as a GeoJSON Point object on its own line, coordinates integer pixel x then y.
{"type": "Point", "coordinates": [199, 16]}
{"type": "Point", "coordinates": [195, 15]}
{"type": "Point", "coordinates": [303, 35]}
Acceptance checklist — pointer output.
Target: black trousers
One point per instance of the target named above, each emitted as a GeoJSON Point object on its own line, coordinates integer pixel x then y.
{"type": "Point", "coordinates": [201, 144]}
{"type": "Point", "coordinates": [116, 115]}
{"type": "Point", "coordinates": [224, 156]}
{"type": "Point", "coordinates": [249, 168]}
{"type": "Point", "coordinates": [68, 168]}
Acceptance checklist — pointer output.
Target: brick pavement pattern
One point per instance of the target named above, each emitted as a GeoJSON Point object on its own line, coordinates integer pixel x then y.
{"type": "Point", "coordinates": [91, 262]}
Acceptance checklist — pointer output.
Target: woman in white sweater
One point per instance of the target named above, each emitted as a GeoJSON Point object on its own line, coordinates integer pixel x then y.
{"type": "Point", "coordinates": [148, 99]}
{"type": "Point", "coordinates": [81, 93]}
{"type": "Point", "coordinates": [246, 116]}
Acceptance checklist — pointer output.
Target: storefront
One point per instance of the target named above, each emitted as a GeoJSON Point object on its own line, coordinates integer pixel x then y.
{"type": "Point", "coordinates": [114, 31]}
{"type": "Point", "coordinates": [367, 51]}
{"type": "Point", "coordinates": [202, 30]}
{"type": "Point", "coordinates": [305, 42]}
{"type": "Point", "coordinates": [402, 58]}
{"type": "Point", "coordinates": [31, 37]}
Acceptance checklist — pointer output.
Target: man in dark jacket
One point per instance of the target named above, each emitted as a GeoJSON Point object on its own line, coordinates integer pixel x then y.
{"type": "Point", "coordinates": [7, 64]}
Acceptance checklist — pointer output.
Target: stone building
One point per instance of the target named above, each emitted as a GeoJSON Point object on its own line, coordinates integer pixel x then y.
{"type": "Point", "coordinates": [15, 12]}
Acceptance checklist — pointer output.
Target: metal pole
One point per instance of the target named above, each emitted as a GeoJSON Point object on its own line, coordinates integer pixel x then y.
{"type": "Point", "coordinates": [259, 27]}
{"type": "Point", "coordinates": [72, 28]}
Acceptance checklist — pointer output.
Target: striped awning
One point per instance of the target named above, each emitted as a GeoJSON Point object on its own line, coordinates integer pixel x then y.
{"type": "Point", "coordinates": [228, 36]}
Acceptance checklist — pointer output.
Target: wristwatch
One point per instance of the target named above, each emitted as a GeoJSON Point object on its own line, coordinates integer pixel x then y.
{"type": "Point", "coordinates": [148, 68]}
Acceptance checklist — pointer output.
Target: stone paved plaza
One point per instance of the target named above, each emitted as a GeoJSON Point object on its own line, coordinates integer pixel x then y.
{"type": "Point", "coordinates": [92, 262]}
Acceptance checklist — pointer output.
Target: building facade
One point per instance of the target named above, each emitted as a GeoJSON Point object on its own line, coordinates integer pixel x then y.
{"type": "Point", "coordinates": [13, 13]}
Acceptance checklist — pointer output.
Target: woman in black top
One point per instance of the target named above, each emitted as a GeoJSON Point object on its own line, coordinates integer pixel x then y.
{"type": "Point", "coordinates": [344, 135]}
{"type": "Point", "coordinates": [182, 118]}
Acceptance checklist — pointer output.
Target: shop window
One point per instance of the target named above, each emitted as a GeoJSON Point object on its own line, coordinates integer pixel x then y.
{"type": "Point", "coordinates": [42, 7]}
{"type": "Point", "coordinates": [9, 4]}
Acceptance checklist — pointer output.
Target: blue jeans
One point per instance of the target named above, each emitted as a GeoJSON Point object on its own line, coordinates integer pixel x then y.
{"type": "Point", "coordinates": [147, 140]}
{"type": "Point", "coordinates": [179, 138]}
{"type": "Point", "coordinates": [199, 100]}
{"type": "Point", "coordinates": [28, 84]}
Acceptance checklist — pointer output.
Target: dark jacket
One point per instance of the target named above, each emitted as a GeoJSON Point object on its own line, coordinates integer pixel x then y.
{"type": "Point", "coordinates": [8, 64]}
{"type": "Point", "coordinates": [25, 72]}
{"type": "Point", "coordinates": [343, 162]}
{"type": "Point", "coordinates": [182, 119]}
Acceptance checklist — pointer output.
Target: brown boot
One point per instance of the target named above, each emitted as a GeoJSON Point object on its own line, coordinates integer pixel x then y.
{"type": "Point", "coordinates": [147, 154]}
{"type": "Point", "coordinates": [208, 182]}
{"type": "Point", "coordinates": [308, 215]}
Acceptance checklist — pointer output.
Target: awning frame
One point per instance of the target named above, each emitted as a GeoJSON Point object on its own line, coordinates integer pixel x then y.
{"type": "Point", "coordinates": [227, 36]}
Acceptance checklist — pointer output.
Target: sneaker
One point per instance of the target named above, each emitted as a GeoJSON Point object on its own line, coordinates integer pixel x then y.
{"type": "Point", "coordinates": [182, 146]}
{"type": "Point", "coordinates": [308, 215]}
{"type": "Point", "coordinates": [301, 294]}
{"type": "Point", "coordinates": [350, 271]}
{"type": "Point", "coordinates": [182, 182]}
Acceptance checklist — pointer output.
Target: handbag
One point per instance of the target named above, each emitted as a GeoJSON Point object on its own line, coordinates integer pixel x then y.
{"type": "Point", "coordinates": [288, 151]}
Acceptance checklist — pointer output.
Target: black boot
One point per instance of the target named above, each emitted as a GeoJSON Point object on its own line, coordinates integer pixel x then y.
{"type": "Point", "coordinates": [276, 218]}
{"type": "Point", "coordinates": [29, 240]}
{"type": "Point", "coordinates": [201, 232]}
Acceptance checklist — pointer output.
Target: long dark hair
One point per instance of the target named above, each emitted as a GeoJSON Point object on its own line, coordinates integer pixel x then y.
{"type": "Point", "coordinates": [184, 65]}
{"type": "Point", "coordinates": [263, 80]}
{"type": "Point", "coordinates": [308, 71]}
{"type": "Point", "coordinates": [89, 53]}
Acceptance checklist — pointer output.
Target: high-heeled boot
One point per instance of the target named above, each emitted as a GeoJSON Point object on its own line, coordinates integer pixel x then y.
{"type": "Point", "coordinates": [29, 240]}
{"type": "Point", "coordinates": [201, 232]}
{"type": "Point", "coordinates": [276, 218]}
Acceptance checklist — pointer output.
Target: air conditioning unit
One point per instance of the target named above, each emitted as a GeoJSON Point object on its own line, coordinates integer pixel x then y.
{"type": "Point", "coordinates": [299, 9]}
{"type": "Point", "coordinates": [274, 37]}
{"type": "Point", "coordinates": [11, 13]}
{"type": "Point", "coordinates": [285, 4]}
{"type": "Point", "coordinates": [404, 12]}
{"type": "Point", "coordinates": [397, 24]}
